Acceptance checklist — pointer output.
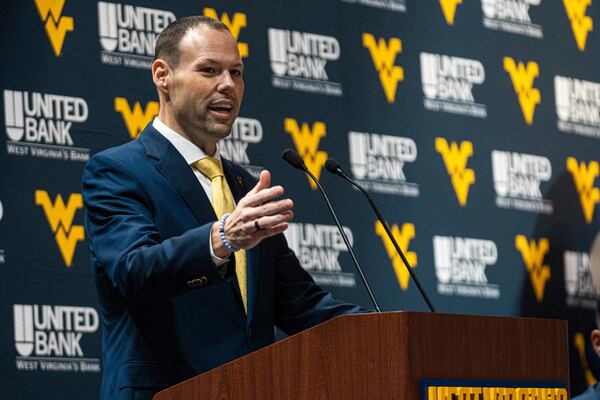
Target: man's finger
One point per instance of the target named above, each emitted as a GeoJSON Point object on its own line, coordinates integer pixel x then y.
{"type": "Point", "coordinates": [264, 181]}
{"type": "Point", "coordinates": [269, 209]}
{"type": "Point", "coordinates": [275, 230]}
{"type": "Point", "coordinates": [255, 199]}
{"type": "Point", "coordinates": [275, 219]}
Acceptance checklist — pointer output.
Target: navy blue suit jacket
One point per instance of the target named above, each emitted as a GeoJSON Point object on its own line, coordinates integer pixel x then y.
{"type": "Point", "coordinates": [166, 313]}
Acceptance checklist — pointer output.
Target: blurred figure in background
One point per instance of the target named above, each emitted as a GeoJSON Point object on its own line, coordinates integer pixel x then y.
{"type": "Point", "coordinates": [593, 392]}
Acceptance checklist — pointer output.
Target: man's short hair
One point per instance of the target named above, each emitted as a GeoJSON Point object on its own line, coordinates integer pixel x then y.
{"type": "Point", "coordinates": [167, 44]}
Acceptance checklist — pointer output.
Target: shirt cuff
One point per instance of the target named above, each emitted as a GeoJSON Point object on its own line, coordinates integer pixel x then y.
{"type": "Point", "coordinates": [220, 263]}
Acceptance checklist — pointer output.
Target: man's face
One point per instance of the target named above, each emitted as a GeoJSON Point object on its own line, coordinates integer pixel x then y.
{"type": "Point", "coordinates": [207, 86]}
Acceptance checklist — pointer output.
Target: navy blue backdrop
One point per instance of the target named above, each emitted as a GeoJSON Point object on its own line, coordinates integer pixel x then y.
{"type": "Point", "coordinates": [476, 124]}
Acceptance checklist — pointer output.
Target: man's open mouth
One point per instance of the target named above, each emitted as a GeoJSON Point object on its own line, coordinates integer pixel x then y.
{"type": "Point", "coordinates": [221, 107]}
{"type": "Point", "coordinates": [224, 109]}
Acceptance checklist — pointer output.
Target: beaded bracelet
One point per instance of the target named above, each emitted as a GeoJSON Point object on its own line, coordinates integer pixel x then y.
{"type": "Point", "coordinates": [226, 242]}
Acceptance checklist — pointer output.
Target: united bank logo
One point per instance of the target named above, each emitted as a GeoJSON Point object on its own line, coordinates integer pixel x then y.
{"type": "Point", "coordinates": [128, 33]}
{"type": "Point", "coordinates": [57, 25]}
{"type": "Point", "coordinates": [60, 217]}
{"type": "Point", "coordinates": [39, 125]}
{"type": "Point", "coordinates": [517, 180]}
{"type": "Point", "coordinates": [318, 248]}
{"type": "Point", "coordinates": [511, 16]}
{"type": "Point", "coordinates": [522, 78]}
{"type": "Point", "coordinates": [460, 266]}
{"type": "Point", "coordinates": [533, 253]}
{"type": "Point", "coordinates": [579, 285]}
{"type": "Point", "coordinates": [389, 5]}
{"type": "Point", "coordinates": [235, 25]}
{"type": "Point", "coordinates": [136, 118]}
{"type": "Point", "coordinates": [403, 237]}
{"type": "Point", "coordinates": [378, 161]}
{"type": "Point", "coordinates": [306, 139]}
{"type": "Point", "coordinates": [299, 61]}
{"type": "Point", "coordinates": [449, 9]}
{"type": "Point", "coordinates": [244, 132]}
{"type": "Point", "coordinates": [581, 24]}
{"type": "Point", "coordinates": [455, 159]}
{"type": "Point", "coordinates": [584, 176]}
{"type": "Point", "coordinates": [577, 106]}
{"type": "Point", "coordinates": [51, 338]}
{"type": "Point", "coordinates": [448, 84]}
{"type": "Point", "coordinates": [384, 55]}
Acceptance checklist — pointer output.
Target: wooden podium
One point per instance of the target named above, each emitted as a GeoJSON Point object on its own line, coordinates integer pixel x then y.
{"type": "Point", "coordinates": [385, 356]}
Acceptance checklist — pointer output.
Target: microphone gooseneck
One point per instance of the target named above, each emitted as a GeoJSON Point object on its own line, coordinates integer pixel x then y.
{"type": "Point", "coordinates": [293, 158]}
{"type": "Point", "coordinates": [335, 168]}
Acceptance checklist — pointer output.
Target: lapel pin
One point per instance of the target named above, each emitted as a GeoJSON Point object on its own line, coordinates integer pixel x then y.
{"type": "Point", "coordinates": [240, 180]}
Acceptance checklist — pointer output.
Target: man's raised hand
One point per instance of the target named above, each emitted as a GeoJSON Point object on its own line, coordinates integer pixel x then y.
{"type": "Point", "coordinates": [257, 216]}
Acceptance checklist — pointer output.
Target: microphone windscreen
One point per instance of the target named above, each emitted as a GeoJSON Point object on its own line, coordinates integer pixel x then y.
{"type": "Point", "coordinates": [293, 158]}
{"type": "Point", "coordinates": [333, 166]}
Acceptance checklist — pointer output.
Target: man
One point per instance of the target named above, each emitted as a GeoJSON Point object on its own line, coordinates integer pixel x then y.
{"type": "Point", "coordinates": [593, 392]}
{"type": "Point", "coordinates": [185, 285]}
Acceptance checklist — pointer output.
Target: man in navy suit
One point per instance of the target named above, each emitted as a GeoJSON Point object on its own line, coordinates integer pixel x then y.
{"type": "Point", "coordinates": [170, 298]}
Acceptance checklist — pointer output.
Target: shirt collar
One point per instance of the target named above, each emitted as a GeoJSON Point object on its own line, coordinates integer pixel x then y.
{"type": "Point", "coordinates": [190, 152]}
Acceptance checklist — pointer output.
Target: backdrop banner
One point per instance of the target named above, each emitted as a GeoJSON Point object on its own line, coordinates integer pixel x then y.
{"type": "Point", "coordinates": [475, 124]}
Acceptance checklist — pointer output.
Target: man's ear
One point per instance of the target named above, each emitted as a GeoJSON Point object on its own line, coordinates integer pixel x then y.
{"type": "Point", "coordinates": [595, 339]}
{"type": "Point", "coordinates": [160, 75]}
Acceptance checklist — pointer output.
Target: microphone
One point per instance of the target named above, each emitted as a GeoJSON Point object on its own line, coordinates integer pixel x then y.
{"type": "Point", "coordinates": [293, 158]}
{"type": "Point", "coordinates": [335, 168]}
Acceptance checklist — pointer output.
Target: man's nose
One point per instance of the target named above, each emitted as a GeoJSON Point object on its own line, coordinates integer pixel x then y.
{"type": "Point", "coordinates": [226, 82]}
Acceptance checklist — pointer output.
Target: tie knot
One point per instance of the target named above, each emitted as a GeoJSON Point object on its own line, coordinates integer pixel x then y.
{"type": "Point", "coordinates": [209, 167]}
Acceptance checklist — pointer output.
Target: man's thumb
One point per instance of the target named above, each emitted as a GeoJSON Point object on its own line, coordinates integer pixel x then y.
{"type": "Point", "coordinates": [263, 182]}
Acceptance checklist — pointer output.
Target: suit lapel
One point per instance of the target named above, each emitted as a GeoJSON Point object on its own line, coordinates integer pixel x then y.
{"type": "Point", "coordinates": [239, 187]}
{"type": "Point", "coordinates": [175, 169]}
{"type": "Point", "coordinates": [172, 166]}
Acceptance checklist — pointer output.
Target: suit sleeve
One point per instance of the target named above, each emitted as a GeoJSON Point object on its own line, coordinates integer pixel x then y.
{"type": "Point", "coordinates": [299, 302]}
{"type": "Point", "coordinates": [125, 241]}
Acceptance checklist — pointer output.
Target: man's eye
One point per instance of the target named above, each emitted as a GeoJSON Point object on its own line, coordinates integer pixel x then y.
{"type": "Point", "coordinates": [236, 72]}
{"type": "Point", "coordinates": [208, 70]}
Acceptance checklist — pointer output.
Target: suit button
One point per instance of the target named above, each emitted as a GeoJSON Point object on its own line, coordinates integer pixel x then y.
{"type": "Point", "coordinates": [197, 282]}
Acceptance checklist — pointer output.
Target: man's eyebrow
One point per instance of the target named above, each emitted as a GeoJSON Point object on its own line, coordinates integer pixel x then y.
{"type": "Point", "coordinates": [209, 60]}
